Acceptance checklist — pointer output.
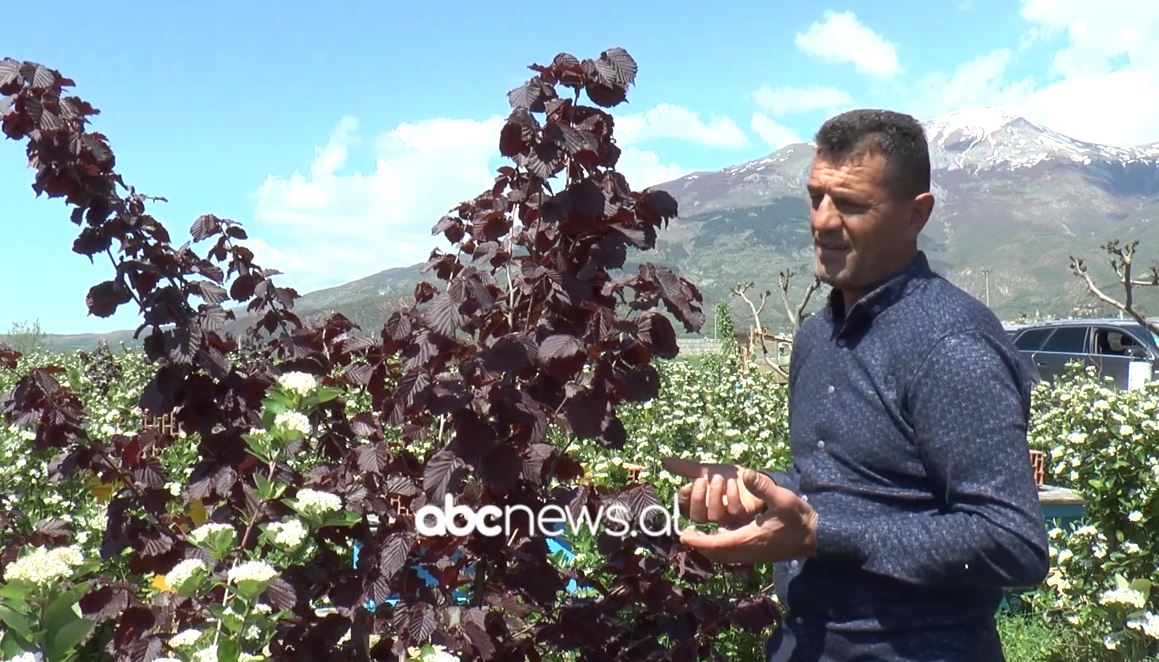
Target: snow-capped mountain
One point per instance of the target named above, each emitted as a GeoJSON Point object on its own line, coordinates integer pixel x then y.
{"type": "Point", "coordinates": [982, 138]}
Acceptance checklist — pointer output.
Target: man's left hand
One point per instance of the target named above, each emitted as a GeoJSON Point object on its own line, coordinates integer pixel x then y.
{"type": "Point", "coordinates": [785, 530]}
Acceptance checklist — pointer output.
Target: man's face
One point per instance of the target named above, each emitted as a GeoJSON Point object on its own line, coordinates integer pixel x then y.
{"type": "Point", "coordinates": [861, 233]}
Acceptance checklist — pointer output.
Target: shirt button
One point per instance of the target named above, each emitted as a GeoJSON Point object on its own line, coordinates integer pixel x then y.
{"type": "Point", "coordinates": [832, 388]}
{"type": "Point", "coordinates": [841, 343]}
{"type": "Point", "coordinates": [793, 564]}
{"type": "Point", "coordinates": [805, 498]}
{"type": "Point", "coordinates": [820, 443]}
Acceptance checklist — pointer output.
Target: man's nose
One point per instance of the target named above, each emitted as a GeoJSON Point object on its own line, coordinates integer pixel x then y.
{"type": "Point", "coordinates": [824, 217]}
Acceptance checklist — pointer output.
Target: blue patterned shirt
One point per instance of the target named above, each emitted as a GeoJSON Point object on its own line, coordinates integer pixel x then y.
{"type": "Point", "coordinates": [908, 419]}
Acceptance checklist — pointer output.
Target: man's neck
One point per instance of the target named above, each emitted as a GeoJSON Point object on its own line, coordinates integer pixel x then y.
{"type": "Point", "coordinates": [850, 296]}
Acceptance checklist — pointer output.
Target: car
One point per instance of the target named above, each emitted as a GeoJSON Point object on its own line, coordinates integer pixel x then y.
{"type": "Point", "coordinates": [1122, 349]}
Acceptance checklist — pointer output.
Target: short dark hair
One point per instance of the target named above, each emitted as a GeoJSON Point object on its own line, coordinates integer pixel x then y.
{"type": "Point", "coordinates": [896, 136]}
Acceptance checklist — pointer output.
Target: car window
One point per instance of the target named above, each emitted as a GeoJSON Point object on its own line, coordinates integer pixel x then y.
{"type": "Point", "coordinates": [1031, 339]}
{"type": "Point", "coordinates": [1070, 339]}
{"type": "Point", "coordinates": [1111, 341]}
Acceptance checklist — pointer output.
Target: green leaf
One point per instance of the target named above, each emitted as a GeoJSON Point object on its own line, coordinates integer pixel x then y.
{"type": "Point", "coordinates": [1143, 586]}
{"type": "Point", "coordinates": [228, 651]}
{"type": "Point", "coordinates": [259, 446]}
{"type": "Point", "coordinates": [16, 621]}
{"type": "Point", "coordinates": [62, 641]}
{"type": "Point", "coordinates": [13, 645]}
{"type": "Point", "coordinates": [59, 612]}
{"type": "Point", "coordinates": [344, 518]}
{"type": "Point", "coordinates": [14, 592]}
{"type": "Point", "coordinates": [323, 394]}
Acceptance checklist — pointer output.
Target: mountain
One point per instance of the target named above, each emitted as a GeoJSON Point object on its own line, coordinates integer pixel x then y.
{"type": "Point", "coordinates": [1014, 201]}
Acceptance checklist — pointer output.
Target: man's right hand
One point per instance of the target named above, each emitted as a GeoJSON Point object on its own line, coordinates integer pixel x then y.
{"type": "Point", "coordinates": [717, 494]}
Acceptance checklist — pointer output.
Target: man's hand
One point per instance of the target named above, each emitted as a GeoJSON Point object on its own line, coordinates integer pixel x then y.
{"type": "Point", "coordinates": [786, 529]}
{"type": "Point", "coordinates": [704, 499]}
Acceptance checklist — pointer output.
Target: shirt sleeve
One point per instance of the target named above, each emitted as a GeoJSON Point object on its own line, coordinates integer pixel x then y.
{"type": "Point", "coordinates": [969, 409]}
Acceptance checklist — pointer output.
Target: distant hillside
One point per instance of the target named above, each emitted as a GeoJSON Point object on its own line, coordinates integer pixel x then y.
{"type": "Point", "coordinates": [1014, 199]}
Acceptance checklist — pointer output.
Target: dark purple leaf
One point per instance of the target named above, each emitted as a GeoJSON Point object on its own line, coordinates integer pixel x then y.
{"type": "Point", "coordinates": [563, 354]}
{"type": "Point", "coordinates": [444, 316]}
{"type": "Point", "coordinates": [755, 614]}
{"type": "Point", "coordinates": [585, 414]}
{"type": "Point", "coordinates": [534, 460]}
{"type": "Point", "coordinates": [441, 473]}
{"type": "Point", "coordinates": [394, 554]}
{"type": "Point", "coordinates": [209, 291]}
{"type": "Point", "coordinates": [205, 226]}
{"type": "Point", "coordinates": [280, 594]}
{"type": "Point", "coordinates": [500, 469]}
{"type": "Point", "coordinates": [373, 458]}
{"type": "Point", "coordinates": [103, 299]}
{"type": "Point", "coordinates": [656, 206]}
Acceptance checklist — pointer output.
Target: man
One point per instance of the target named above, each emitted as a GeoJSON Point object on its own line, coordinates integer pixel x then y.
{"type": "Point", "coordinates": [910, 504]}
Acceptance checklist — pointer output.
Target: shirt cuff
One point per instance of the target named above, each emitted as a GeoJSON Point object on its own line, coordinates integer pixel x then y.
{"type": "Point", "coordinates": [838, 540]}
{"type": "Point", "coordinates": [783, 479]}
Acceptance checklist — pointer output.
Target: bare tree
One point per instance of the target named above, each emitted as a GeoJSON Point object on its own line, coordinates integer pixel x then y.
{"type": "Point", "coordinates": [739, 290]}
{"type": "Point", "coordinates": [759, 337]}
{"type": "Point", "coordinates": [786, 278]}
{"type": "Point", "coordinates": [1122, 262]}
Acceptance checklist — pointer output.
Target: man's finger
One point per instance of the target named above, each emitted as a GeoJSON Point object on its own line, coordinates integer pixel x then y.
{"type": "Point", "coordinates": [683, 499]}
{"type": "Point", "coordinates": [683, 467]}
{"type": "Point", "coordinates": [715, 499]}
{"type": "Point", "coordinates": [723, 545]}
{"type": "Point", "coordinates": [697, 508]}
{"type": "Point", "coordinates": [778, 498]}
{"type": "Point", "coordinates": [732, 491]}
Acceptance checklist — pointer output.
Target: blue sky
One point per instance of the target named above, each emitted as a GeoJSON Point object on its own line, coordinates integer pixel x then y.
{"type": "Point", "coordinates": [338, 135]}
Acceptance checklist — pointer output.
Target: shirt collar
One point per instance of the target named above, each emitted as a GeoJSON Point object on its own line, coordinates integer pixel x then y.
{"type": "Point", "coordinates": [879, 298]}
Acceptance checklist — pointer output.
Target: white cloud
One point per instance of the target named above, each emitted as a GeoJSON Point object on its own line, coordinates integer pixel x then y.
{"type": "Point", "coordinates": [788, 100]}
{"type": "Point", "coordinates": [978, 82]}
{"type": "Point", "coordinates": [337, 221]}
{"type": "Point", "coordinates": [841, 37]}
{"type": "Point", "coordinates": [331, 225]}
{"type": "Point", "coordinates": [644, 168]}
{"type": "Point", "coordinates": [776, 135]}
{"type": "Point", "coordinates": [1103, 84]}
{"type": "Point", "coordinates": [677, 122]}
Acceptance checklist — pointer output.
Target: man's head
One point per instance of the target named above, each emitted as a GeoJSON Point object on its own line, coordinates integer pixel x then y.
{"type": "Point", "coordinates": [870, 193]}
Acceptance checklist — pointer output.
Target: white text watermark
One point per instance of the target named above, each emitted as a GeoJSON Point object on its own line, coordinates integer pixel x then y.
{"type": "Point", "coordinates": [490, 520]}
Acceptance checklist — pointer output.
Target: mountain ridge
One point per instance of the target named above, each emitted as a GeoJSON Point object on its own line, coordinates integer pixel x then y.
{"type": "Point", "coordinates": [1002, 183]}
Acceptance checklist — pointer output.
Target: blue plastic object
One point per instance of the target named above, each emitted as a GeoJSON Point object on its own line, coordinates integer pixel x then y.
{"type": "Point", "coordinates": [554, 545]}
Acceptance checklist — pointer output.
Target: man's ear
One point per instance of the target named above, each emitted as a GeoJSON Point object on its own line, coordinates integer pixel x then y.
{"type": "Point", "coordinates": [921, 208]}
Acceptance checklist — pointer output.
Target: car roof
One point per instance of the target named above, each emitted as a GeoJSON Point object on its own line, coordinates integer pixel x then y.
{"type": "Point", "coordinates": [1085, 321]}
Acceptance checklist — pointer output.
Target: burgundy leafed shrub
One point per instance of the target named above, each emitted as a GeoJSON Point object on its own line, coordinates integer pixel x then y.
{"type": "Point", "coordinates": [529, 324]}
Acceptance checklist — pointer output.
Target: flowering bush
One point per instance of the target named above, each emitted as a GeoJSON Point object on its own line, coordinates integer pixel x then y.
{"type": "Point", "coordinates": [38, 604]}
{"type": "Point", "coordinates": [228, 531]}
{"type": "Point", "coordinates": [1104, 443]}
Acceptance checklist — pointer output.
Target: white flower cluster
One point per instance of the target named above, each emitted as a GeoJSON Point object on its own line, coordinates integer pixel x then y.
{"type": "Point", "coordinates": [289, 533]}
{"type": "Point", "coordinates": [27, 657]}
{"type": "Point", "coordinates": [201, 534]}
{"type": "Point", "coordinates": [314, 502]}
{"type": "Point", "coordinates": [256, 571]}
{"type": "Point", "coordinates": [302, 383]}
{"type": "Point", "coordinates": [185, 639]}
{"type": "Point", "coordinates": [208, 654]}
{"type": "Point", "coordinates": [45, 566]}
{"type": "Point", "coordinates": [293, 420]}
{"type": "Point", "coordinates": [1148, 624]}
{"type": "Point", "coordinates": [1123, 596]}
{"type": "Point", "coordinates": [183, 572]}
